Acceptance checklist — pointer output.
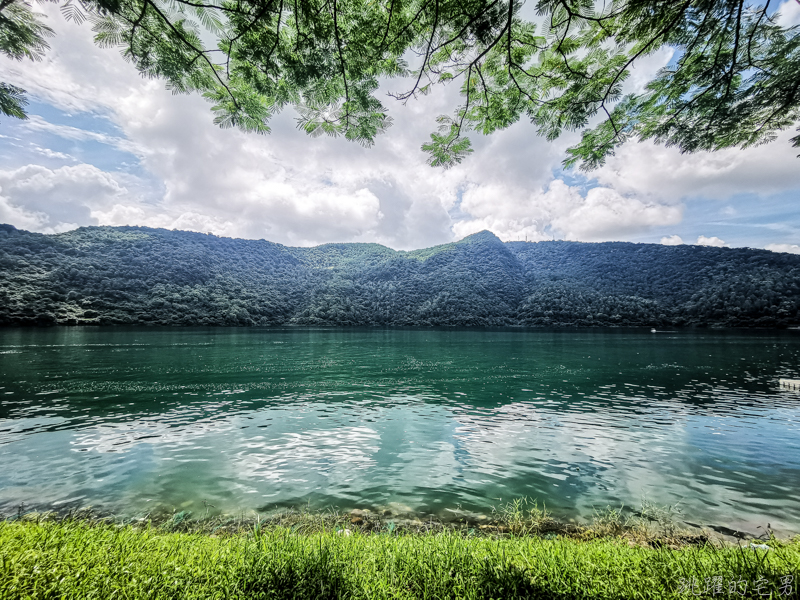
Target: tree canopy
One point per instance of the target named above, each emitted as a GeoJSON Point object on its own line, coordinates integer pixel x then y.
{"type": "Point", "coordinates": [733, 80]}
{"type": "Point", "coordinates": [139, 275]}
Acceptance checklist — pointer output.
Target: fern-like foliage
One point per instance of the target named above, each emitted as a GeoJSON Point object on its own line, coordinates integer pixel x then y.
{"type": "Point", "coordinates": [733, 80]}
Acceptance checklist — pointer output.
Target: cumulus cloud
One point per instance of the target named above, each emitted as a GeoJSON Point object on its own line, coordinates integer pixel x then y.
{"type": "Point", "coordinates": [671, 240]}
{"type": "Point", "coordinates": [606, 214]}
{"type": "Point", "coordinates": [289, 188]}
{"type": "Point", "coordinates": [292, 189]}
{"type": "Point", "coordinates": [789, 13]}
{"type": "Point", "coordinates": [127, 214]}
{"type": "Point", "coordinates": [286, 186]}
{"type": "Point", "coordinates": [710, 241]}
{"type": "Point", "coordinates": [50, 200]}
{"type": "Point", "coordinates": [645, 68]}
{"type": "Point", "coordinates": [562, 211]}
{"type": "Point", "coordinates": [657, 171]}
{"type": "Point", "coordinates": [790, 248]}
{"type": "Point", "coordinates": [20, 217]}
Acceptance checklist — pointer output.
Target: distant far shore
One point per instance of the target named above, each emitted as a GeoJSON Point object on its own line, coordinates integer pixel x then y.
{"type": "Point", "coordinates": [144, 276]}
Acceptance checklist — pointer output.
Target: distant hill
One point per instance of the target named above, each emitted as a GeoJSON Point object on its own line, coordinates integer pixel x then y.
{"type": "Point", "coordinates": [138, 275]}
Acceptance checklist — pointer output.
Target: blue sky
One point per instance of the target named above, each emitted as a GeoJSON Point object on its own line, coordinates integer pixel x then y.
{"type": "Point", "coordinates": [105, 147]}
{"type": "Point", "coordinates": [92, 140]}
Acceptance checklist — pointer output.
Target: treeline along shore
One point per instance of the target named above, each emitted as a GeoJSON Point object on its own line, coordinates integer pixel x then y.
{"type": "Point", "coordinates": [144, 276]}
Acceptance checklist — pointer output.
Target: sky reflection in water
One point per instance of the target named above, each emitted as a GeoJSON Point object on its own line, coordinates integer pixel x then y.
{"type": "Point", "coordinates": [424, 420]}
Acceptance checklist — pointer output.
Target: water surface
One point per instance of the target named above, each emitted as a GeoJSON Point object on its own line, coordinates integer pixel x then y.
{"type": "Point", "coordinates": [423, 420]}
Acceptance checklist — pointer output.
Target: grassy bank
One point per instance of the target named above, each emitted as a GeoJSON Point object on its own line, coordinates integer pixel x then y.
{"type": "Point", "coordinates": [75, 558]}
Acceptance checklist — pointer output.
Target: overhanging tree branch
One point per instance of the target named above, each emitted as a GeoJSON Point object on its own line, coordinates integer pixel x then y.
{"type": "Point", "coordinates": [731, 85]}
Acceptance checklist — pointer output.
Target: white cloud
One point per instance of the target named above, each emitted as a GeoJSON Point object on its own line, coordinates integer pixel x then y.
{"type": "Point", "coordinates": [790, 248]}
{"type": "Point", "coordinates": [648, 169]}
{"type": "Point", "coordinates": [51, 154]}
{"type": "Point", "coordinates": [285, 186]}
{"type": "Point", "coordinates": [672, 240]}
{"type": "Point", "coordinates": [645, 68]}
{"type": "Point", "coordinates": [19, 216]}
{"type": "Point", "coordinates": [789, 13]}
{"type": "Point", "coordinates": [292, 189]}
{"type": "Point", "coordinates": [710, 241]}
{"type": "Point", "coordinates": [599, 214]}
{"type": "Point", "coordinates": [58, 197]}
{"type": "Point", "coordinates": [606, 214]}
{"type": "Point", "coordinates": [122, 214]}
{"type": "Point", "coordinates": [36, 123]}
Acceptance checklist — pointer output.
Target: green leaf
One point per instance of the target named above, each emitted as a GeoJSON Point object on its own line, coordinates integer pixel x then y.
{"type": "Point", "coordinates": [12, 101]}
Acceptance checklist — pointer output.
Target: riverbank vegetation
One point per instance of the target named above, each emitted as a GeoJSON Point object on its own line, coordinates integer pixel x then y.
{"type": "Point", "coordinates": [139, 275]}
{"type": "Point", "coordinates": [75, 560]}
{"type": "Point", "coordinates": [302, 555]}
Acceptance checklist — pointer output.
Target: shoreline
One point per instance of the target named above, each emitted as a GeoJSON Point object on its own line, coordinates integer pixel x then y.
{"type": "Point", "coordinates": [651, 526]}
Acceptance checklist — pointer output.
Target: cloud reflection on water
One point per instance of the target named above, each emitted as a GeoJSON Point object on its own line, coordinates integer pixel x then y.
{"type": "Point", "coordinates": [502, 416]}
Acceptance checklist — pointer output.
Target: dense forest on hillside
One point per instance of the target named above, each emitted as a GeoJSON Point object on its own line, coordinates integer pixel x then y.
{"type": "Point", "coordinates": [138, 275]}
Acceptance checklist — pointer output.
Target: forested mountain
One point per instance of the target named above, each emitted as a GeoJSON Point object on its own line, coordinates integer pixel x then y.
{"type": "Point", "coordinates": [116, 275]}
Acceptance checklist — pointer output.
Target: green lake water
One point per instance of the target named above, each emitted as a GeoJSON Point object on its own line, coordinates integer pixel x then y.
{"type": "Point", "coordinates": [408, 420]}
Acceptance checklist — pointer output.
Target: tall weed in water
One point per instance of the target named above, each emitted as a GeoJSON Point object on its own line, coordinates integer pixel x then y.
{"type": "Point", "coordinates": [609, 522]}
{"type": "Point", "coordinates": [523, 516]}
{"type": "Point", "coordinates": [664, 518]}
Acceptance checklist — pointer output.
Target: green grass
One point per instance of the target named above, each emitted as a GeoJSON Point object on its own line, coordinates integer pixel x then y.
{"type": "Point", "coordinates": [74, 558]}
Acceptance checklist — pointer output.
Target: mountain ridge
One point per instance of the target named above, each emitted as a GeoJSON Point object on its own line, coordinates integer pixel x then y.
{"type": "Point", "coordinates": [140, 275]}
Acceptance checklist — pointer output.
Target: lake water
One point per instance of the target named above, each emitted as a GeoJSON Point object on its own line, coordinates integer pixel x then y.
{"type": "Point", "coordinates": [424, 420]}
